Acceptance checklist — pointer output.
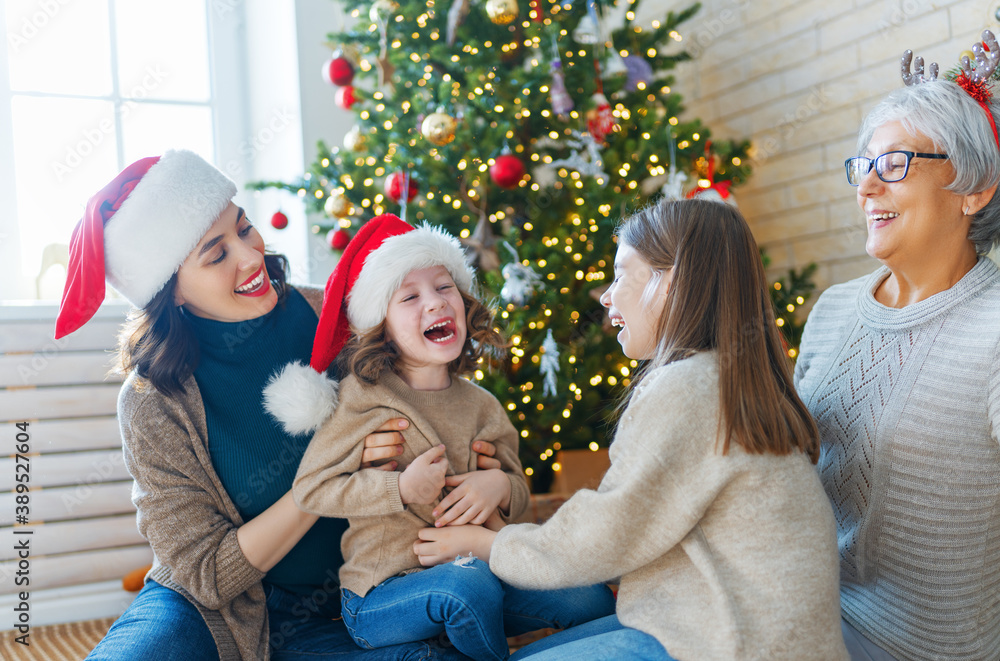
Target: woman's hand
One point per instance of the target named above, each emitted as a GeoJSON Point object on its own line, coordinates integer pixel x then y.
{"type": "Point", "coordinates": [437, 546]}
{"type": "Point", "coordinates": [484, 455]}
{"type": "Point", "coordinates": [474, 497]}
{"type": "Point", "coordinates": [385, 442]}
{"type": "Point", "coordinates": [422, 481]}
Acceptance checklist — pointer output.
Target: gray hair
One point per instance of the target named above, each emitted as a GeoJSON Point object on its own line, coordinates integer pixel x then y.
{"type": "Point", "coordinates": [957, 124]}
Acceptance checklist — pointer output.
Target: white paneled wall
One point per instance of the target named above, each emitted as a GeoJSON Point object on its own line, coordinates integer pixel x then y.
{"type": "Point", "coordinates": [83, 535]}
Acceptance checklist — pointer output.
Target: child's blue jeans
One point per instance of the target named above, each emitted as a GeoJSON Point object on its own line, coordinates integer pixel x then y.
{"type": "Point", "coordinates": [464, 600]}
{"type": "Point", "coordinates": [599, 640]}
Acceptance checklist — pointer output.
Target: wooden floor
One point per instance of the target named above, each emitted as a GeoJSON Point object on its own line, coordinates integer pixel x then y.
{"type": "Point", "coordinates": [58, 642]}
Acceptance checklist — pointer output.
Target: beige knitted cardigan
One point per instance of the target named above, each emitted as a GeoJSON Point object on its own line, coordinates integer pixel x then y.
{"type": "Point", "coordinates": [379, 542]}
{"type": "Point", "coordinates": [186, 514]}
{"type": "Point", "coordinates": [722, 557]}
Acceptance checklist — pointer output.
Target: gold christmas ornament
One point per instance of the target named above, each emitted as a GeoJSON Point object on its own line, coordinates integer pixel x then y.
{"type": "Point", "coordinates": [355, 140]}
{"type": "Point", "coordinates": [502, 12]}
{"type": "Point", "coordinates": [337, 204]}
{"type": "Point", "coordinates": [439, 128]}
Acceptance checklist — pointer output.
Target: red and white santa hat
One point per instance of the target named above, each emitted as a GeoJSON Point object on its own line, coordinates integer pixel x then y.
{"type": "Point", "coordinates": [374, 264]}
{"type": "Point", "coordinates": [138, 230]}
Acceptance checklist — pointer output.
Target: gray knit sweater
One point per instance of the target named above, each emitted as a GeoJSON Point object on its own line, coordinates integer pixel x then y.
{"type": "Point", "coordinates": [721, 557]}
{"type": "Point", "coordinates": [908, 403]}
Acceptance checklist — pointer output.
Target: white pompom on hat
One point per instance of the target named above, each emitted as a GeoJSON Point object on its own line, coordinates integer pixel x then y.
{"type": "Point", "coordinates": [138, 230]}
{"type": "Point", "coordinates": [374, 264]}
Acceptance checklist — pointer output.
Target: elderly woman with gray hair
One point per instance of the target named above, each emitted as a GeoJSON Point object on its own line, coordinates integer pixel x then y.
{"type": "Point", "coordinates": [900, 370]}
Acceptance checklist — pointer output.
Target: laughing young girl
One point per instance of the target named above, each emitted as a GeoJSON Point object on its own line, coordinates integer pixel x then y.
{"type": "Point", "coordinates": [711, 513]}
{"type": "Point", "coordinates": [399, 320]}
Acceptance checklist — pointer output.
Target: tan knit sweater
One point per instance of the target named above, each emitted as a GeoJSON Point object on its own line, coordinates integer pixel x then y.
{"type": "Point", "coordinates": [330, 482]}
{"type": "Point", "coordinates": [186, 514]}
{"type": "Point", "coordinates": [721, 557]}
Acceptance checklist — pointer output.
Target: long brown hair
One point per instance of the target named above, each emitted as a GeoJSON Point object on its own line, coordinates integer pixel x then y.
{"type": "Point", "coordinates": [371, 354]}
{"type": "Point", "coordinates": [718, 299]}
{"type": "Point", "coordinates": [157, 341]}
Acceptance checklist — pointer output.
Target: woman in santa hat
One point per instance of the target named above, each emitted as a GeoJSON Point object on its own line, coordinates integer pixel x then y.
{"type": "Point", "coordinates": [240, 572]}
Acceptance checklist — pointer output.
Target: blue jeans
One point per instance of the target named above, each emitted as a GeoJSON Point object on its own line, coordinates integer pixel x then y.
{"type": "Point", "coordinates": [159, 625]}
{"type": "Point", "coordinates": [464, 600]}
{"type": "Point", "coordinates": [599, 640]}
{"type": "Point", "coordinates": [310, 627]}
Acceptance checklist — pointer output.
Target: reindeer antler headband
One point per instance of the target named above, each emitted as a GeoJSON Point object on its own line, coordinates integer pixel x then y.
{"type": "Point", "coordinates": [973, 79]}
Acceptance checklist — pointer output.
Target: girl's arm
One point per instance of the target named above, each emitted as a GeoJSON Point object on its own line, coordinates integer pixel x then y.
{"type": "Point", "coordinates": [664, 476]}
{"type": "Point", "coordinates": [330, 480]}
{"type": "Point", "coordinates": [269, 536]}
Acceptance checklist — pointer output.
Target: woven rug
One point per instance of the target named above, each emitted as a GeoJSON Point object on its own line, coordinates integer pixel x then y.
{"type": "Point", "coordinates": [57, 642]}
{"type": "Point", "coordinates": [73, 642]}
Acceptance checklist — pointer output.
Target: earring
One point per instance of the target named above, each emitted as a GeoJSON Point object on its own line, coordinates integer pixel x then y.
{"type": "Point", "coordinates": [966, 211]}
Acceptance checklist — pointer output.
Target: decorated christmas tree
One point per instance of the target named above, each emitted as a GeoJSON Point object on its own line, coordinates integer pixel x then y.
{"type": "Point", "coordinates": [528, 129]}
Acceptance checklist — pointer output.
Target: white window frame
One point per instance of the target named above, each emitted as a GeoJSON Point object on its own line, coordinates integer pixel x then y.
{"type": "Point", "coordinates": [227, 100]}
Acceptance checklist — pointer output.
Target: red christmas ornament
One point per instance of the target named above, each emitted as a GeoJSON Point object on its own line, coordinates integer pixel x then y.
{"type": "Point", "coordinates": [600, 119]}
{"type": "Point", "coordinates": [338, 238]}
{"type": "Point", "coordinates": [338, 70]}
{"type": "Point", "coordinates": [536, 11]}
{"type": "Point", "coordinates": [507, 171]}
{"type": "Point", "coordinates": [394, 187]}
{"type": "Point", "coordinates": [346, 97]}
{"type": "Point", "coordinates": [279, 221]}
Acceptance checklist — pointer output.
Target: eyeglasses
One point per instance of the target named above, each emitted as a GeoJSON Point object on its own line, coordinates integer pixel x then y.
{"type": "Point", "coordinates": [890, 166]}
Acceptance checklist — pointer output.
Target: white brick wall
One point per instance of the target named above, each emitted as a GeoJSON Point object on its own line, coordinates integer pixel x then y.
{"type": "Point", "coordinates": [796, 78]}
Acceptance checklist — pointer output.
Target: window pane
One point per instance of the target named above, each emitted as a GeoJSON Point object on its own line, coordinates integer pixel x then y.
{"type": "Point", "coordinates": [152, 128]}
{"type": "Point", "coordinates": [60, 47]}
{"type": "Point", "coordinates": [162, 50]}
{"type": "Point", "coordinates": [65, 150]}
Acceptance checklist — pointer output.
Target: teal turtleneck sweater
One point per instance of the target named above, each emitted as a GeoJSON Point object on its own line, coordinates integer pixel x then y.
{"type": "Point", "coordinates": [254, 457]}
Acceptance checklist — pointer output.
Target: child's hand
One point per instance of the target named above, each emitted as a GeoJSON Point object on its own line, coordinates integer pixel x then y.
{"type": "Point", "coordinates": [436, 547]}
{"type": "Point", "coordinates": [494, 522]}
{"type": "Point", "coordinates": [423, 479]}
{"type": "Point", "coordinates": [475, 497]}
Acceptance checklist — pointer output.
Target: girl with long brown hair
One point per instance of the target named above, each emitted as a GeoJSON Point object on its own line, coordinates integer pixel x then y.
{"type": "Point", "coordinates": [711, 513]}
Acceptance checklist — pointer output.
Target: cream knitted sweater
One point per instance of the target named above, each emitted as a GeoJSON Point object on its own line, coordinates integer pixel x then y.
{"type": "Point", "coordinates": [721, 557]}
{"type": "Point", "coordinates": [330, 482]}
{"type": "Point", "coordinates": [908, 405]}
